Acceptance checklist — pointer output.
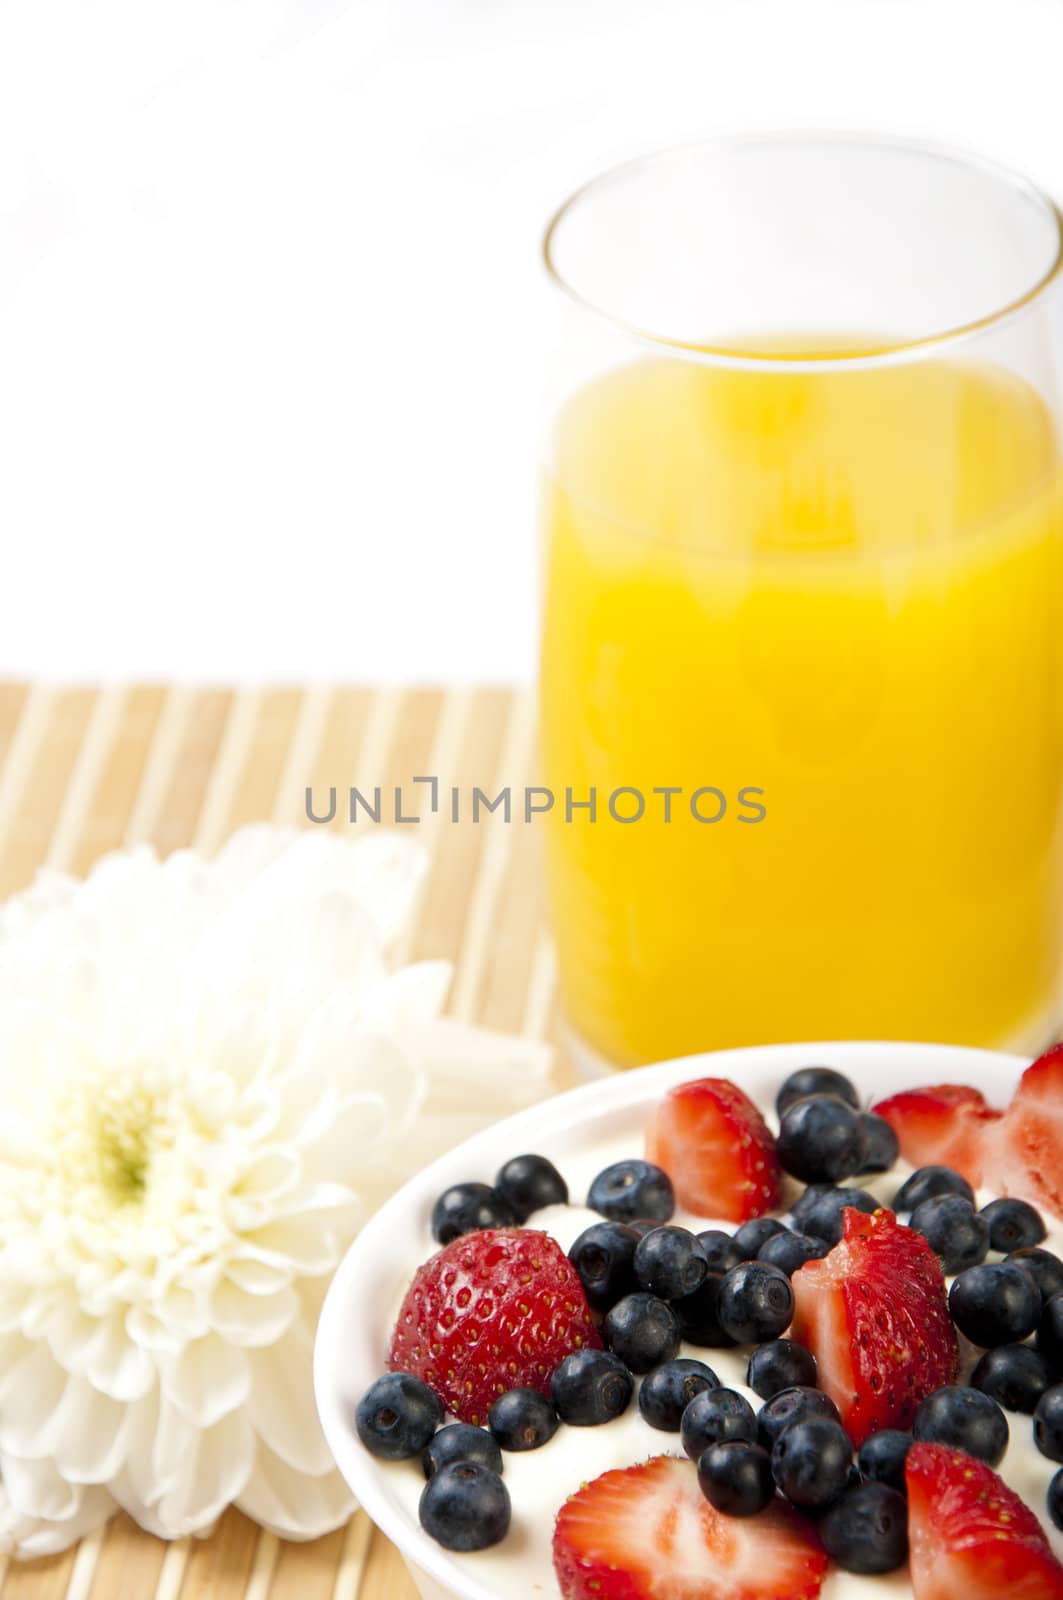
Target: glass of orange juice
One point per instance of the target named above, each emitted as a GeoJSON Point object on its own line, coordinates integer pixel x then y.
{"type": "Point", "coordinates": [802, 637]}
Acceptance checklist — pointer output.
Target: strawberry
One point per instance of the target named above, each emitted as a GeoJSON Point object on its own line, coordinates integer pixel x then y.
{"type": "Point", "coordinates": [717, 1149]}
{"type": "Point", "coordinates": [947, 1125]}
{"type": "Point", "coordinates": [1025, 1157]}
{"type": "Point", "coordinates": [970, 1536]}
{"type": "Point", "coordinates": [492, 1311]}
{"type": "Point", "coordinates": [1017, 1152]}
{"type": "Point", "coordinates": [875, 1315]}
{"type": "Point", "coordinates": [647, 1533]}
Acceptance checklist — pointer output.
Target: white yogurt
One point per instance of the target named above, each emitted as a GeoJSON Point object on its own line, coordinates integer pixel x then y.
{"type": "Point", "coordinates": [539, 1481]}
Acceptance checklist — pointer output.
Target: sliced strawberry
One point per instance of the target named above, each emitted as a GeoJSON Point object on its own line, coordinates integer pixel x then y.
{"type": "Point", "coordinates": [970, 1537]}
{"type": "Point", "coordinates": [647, 1533]}
{"type": "Point", "coordinates": [717, 1149]}
{"type": "Point", "coordinates": [1025, 1156]}
{"type": "Point", "coordinates": [875, 1315]}
{"type": "Point", "coordinates": [491, 1311]}
{"type": "Point", "coordinates": [946, 1125]}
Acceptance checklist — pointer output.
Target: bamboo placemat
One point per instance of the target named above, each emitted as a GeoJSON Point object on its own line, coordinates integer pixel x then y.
{"type": "Point", "coordinates": [83, 771]}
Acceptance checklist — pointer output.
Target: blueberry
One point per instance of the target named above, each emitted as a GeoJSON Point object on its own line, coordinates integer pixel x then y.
{"type": "Point", "coordinates": [528, 1183]}
{"type": "Point", "coordinates": [460, 1441]}
{"type": "Point", "coordinates": [397, 1416]}
{"type": "Point", "coordinates": [642, 1331]}
{"type": "Point", "coordinates": [590, 1387]}
{"type": "Point", "coordinates": [926, 1183]}
{"type": "Point", "coordinates": [797, 1404]}
{"type": "Point", "coordinates": [633, 1191]}
{"type": "Point", "coordinates": [811, 1462]}
{"type": "Point", "coordinates": [866, 1530]}
{"type": "Point", "coordinates": [995, 1304]}
{"type": "Point", "coordinates": [604, 1259]}
{"type": "Point", "coordinates": [467, 1207]}
{"type": "Point", "coordinates": [522, 1419]}
{"type": "Point", "coordinates": [822, 1217]}
{"type": "Point", "coordinates": [1013, 1225]}
{"type": "Point", "coordinates": [698, 1315]}
{"type": "Point", "coordinates": [756, 1302]}
{"type": "Point", "coordinates": [1014, 1376]}
{"type": "Point", "coordinates": [821, 1140]}
{"type": "Point", "coordinates": [882, 1457]}
{"type": "Point", "coordinates": [716, 1415]}
{"type": "Point", "coordinates": [808, 1199]}
{"type": "Point", "coordinates": [883, 1147]}
{"type": "Point", "coordinates": [780, 1364]}
{"type": "Point", "coordinates": [1050, 1333]}
{"type": "Point", "coordinates": [1054, 1499]}
{"type": "Point", "coordinates": [751, 1235]}
{"type": "Point", "coordinates": [665, 1393]}
{"type": "Point", "coordinates": [670, 1262]}
{"type": "Point", "coordinates": [964, 1419]}
{"type": "Point", "coordinates": [721, 1252]}
{"type": "Point", "coordinates": [465, 1506]}
{"type": "Point", "coordinates": [1045, 1269]}
{"type": "Point", "coordinates": [735, 1477]}
{"type": "Point", "coordinates": [953, 1230]}
{"type": "Point", "coordinates": [1048, 1423]}
{"type": "Point", "coordinates": [815, 1080]}
{"type": "Point", "coordinates": [788, 1251]}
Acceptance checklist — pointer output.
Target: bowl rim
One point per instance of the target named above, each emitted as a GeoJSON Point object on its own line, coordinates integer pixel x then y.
{"type": "Point", "coordinates": [559, 1111]}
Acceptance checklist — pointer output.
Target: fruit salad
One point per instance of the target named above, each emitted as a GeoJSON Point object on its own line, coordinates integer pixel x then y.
{"type": "Point", "coordinates": [780, 1352]}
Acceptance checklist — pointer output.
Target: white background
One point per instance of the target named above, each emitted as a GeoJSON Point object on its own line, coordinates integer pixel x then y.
{"type": "Point", "coordinates": [271, 314]}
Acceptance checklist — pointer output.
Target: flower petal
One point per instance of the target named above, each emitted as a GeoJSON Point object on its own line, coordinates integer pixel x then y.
{"type": "Point", "coordinates": [308, 1244]}
{"type": "Point", "coordinates": [499, 1070]}
{"type": "Point", "coordinates": [38, 1489]}
{"type": "Point", "coordinates": [86, 1434]}
{"type": "Point", "coordinates": [252, 1319]}
{"type": "Point", "coordinates": [115, 1364]}
{"type": "Point", "coordinates": [414, 994]}
{"type": "Point", "coordinates": [382, 1088]}
{"type": "Point", "coordinates": [149, 1333]}
{"type": "Point", "coordinates": [143, 1431]}
{"type": "Point", "coordinates": [207, 1380]}
{"type": "Point", "coordinates": [173, 1445]}
{"type": "Point", "coordinates": [182, 1308]}
{"type": "Point", "coordinates": [253, 1277]}
{"type": "Point", "coordinates": [277, 1405]}
{"type": "Point", "coordinates": [273, 1172]}
{"type": "Point", "coordinates": [29, 1534]}
{"type": "Point", "coordinates": [14, 1300]}
{"type": "Point", "coordinates": [381, 872]}
{"type": "Point", "coordinates": [216, 1472]}
{"type": "Point", "coordinates": [292, 1505]}
{"type": "Point", "coordinates": [30, 1389]}
{"type": "Point", "coordinates": [385, 870]}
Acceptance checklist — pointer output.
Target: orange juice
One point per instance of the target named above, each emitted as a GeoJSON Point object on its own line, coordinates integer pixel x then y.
{"type": "Point", "coordinates": [830, 595]}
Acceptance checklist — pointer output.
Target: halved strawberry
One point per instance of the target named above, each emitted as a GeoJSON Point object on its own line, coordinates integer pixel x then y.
{"type": "Point", "coordinates": [875, 1315]}
{"type": "Point", "coordinates": [648, 1533]}
{"type": "Point", "coordinates": [717, 1149]}
{"type": "Point", "coordinates": [970, 1537]}
{"type": "Point", "coordinates": [491, 1311]}
{"type": "Point", "coordinates": [944, 1125]}
{"type": "Point", "coordinates": [1025, 1155]}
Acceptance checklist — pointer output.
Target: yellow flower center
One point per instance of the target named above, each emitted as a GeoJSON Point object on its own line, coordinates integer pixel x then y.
{"type": "Point", "coordinates": [108, 1131]}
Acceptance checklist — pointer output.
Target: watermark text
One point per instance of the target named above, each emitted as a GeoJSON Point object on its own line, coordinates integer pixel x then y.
{"type": "Point", "coordinates": [625, 805]}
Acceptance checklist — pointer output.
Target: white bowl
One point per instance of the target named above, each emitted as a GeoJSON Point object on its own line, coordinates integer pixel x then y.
{"type": "Point", "coordinates": [355, 1323]}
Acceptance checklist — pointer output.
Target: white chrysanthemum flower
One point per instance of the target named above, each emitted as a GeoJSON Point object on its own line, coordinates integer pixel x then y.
{"type": "Point", "coordinates": [210, 1075]}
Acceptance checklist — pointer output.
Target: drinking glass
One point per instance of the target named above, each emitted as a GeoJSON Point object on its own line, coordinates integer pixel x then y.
{"type": "Point", "coordinates": [801, 678]}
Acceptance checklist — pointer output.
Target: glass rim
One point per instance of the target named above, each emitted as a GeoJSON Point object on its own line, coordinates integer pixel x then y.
{"type": "Point", "coordinates": [903, 350]}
